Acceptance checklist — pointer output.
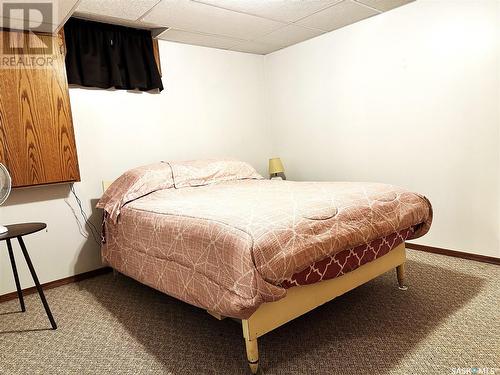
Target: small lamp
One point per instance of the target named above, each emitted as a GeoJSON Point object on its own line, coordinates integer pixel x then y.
{"type": "Point", "coordinates": [276, 168]}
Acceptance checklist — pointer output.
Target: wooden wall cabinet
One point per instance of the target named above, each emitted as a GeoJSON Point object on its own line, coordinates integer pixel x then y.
{"type": "Point", "coordinates": [37, 141]}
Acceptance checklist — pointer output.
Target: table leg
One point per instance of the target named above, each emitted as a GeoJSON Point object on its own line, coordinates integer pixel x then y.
{"type": "Point", "coordinates": [37, 283]}
{"type": "Point", "coordinates": [16, 276]}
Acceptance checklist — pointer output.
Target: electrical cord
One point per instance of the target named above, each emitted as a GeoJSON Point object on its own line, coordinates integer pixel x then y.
{"type": "Point", "coordinates": [95, 232]}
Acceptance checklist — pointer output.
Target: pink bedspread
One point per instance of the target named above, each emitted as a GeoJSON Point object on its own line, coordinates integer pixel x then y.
{"type": "Point", "coordinates": [229, 246]}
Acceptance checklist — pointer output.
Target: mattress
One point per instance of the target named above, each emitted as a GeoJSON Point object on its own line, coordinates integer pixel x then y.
{"type": "Point", "coordinates": [232, 245]}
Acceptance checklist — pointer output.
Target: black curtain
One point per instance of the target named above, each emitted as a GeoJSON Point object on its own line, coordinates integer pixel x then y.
{"type": "Point", "coordinates": [105, 56]}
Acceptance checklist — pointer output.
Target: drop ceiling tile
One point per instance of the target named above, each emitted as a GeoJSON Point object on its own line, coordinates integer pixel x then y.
{"type": "Point", "coordinates": [255, 47]}
{"type": "Point", "coordinates": [288, 35]}
{"type": "Point", "coordinates": [384, 5]}
{"type": "Point", "coordinates": [126, 10]}
{"type": "Point", "coordinates": [60, 12]}
{"type": "Point", "coordinates": [338, 15]}
{"type": "Point", "coordinates": [279, 10]}
{"type": "Point", "coordinates": [116, 21]}
{"type": "Point", "coordinates": [192, 16]}
{"type": "Point", "coordinates": [64, 10]}
{"type": "Point", "coordinates": [198, 39]}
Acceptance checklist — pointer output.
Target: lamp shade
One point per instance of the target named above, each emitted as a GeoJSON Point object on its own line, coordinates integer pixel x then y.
{"type": "Point", "coordinates": [276, 166]}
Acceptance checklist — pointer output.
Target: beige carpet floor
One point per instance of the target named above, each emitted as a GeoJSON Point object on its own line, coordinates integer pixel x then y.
{"type": "Point", "coordinates": [448, 319]}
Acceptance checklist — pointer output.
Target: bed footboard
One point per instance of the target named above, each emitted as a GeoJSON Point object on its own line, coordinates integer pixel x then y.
{"type": "Point", "coordinates": [301, 299]}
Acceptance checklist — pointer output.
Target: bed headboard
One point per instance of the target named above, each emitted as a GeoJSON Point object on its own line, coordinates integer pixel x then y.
{"type": "Point", "coordinates": [105, 185]}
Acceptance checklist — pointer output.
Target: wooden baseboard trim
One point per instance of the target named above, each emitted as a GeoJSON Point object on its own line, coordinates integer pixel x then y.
{"type": "Point", "coordinates": [453, 253]}
{"type": "Point", "coordinates": [56, 283]}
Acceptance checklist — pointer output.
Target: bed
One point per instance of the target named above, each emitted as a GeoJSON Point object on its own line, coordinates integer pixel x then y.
{"type": "Point", "coordinates": [215, 234]}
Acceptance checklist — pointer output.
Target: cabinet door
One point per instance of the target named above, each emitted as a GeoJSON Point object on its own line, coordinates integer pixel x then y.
{"type": "Point", "coordinates": [37, 141]}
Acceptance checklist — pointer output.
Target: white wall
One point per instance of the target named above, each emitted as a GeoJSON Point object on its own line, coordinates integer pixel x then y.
{"type": "Point", "coordinates": [212, 105]}
{"type": "Point", "coordinates": [409, 97]}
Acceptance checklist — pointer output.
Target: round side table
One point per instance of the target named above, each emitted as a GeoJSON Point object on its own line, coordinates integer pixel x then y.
{"type": "Point", "coordinates": [18, 231]}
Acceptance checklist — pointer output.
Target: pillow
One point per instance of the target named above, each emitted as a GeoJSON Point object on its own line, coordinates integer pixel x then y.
{"type": "Point", "coordinates": [134, 184]}
{"type": "Point", "coordinates": [210, 171]}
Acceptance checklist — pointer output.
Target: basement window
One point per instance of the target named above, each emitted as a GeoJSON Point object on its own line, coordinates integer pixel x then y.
{"type": "Point", "coordinates": [110, 56]}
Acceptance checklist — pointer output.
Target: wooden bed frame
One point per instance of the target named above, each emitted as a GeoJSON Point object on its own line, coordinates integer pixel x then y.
{"type": "Point", "coordinates": [304, 298]}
